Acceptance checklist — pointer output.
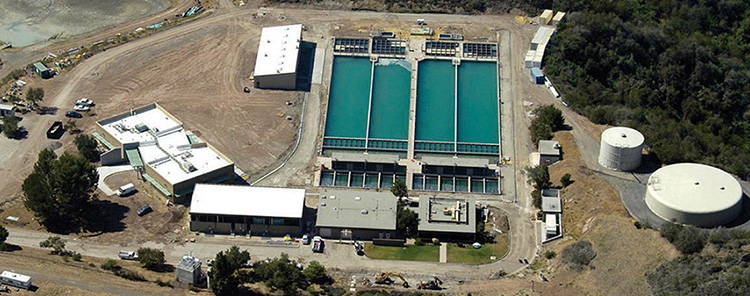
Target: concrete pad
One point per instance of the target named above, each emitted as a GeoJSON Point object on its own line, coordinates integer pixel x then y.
{"type": "Point", "coordinates": [443, 252]}
{"type": "Point", "coordinates": [320, 58]}
{"type": "Point", "coordinates": [105, 171]}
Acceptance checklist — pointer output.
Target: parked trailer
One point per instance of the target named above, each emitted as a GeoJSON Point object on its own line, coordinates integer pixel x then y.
{"type": "Point", "coordinates": [15, 279]}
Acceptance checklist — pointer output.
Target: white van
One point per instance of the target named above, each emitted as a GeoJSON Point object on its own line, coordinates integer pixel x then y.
{"type": "Point", "coordinates": [15, 279]}
{"type": "Point", "coordinates": [126, 189]}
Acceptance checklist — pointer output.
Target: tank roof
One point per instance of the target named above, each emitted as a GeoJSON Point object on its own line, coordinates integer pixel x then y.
{"type": "Point", "coordinates": [694, 188]}
{"type": "Point", "coordinates": [623, 137]}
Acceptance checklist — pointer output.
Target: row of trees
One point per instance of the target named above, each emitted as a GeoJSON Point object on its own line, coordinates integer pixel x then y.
{"type": "Point", "coordinates": [230, 271]}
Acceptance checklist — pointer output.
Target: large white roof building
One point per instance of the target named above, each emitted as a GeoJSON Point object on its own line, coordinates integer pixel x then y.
{"type": "Point", "coordinates": [247, 201]}
{"type": "Point", "coordinates": [278, 52]}
{"type": "Point", "coordinates": [173, 159]}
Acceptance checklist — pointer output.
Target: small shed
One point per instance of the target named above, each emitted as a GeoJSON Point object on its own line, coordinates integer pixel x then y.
{"type": "Point", "coordinates": [551, 201]}
{"type": "Point", "coordinates": [7, 110]}
{"type": "Point", "coordinates": [558, 18]}
{"type": "Point", "coordinates": [537, 76]}
{"type": "Point", "coordinates": [42, 70]}
{"type": "Point", "coordinates": [546, 17]}
{"type": "Point", "coordinates": [189, 270]}
{"type": "Point", "coordinates": [549, 152]}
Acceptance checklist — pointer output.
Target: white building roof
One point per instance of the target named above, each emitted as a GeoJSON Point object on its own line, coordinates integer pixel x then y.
{"type": "Point", "coordinates": [7, 107]}
{"type": "Point", "coordinates": [278, 50]}
{"type": "Point", "coordinates": [551, 222]}
{"type": "Point", "coordinates": [542, 35]}
{"type": "Point", "coordinates": [694, 188]}
{"type": "Point", "coordinates": [164, 145]}
{"type": "Point", "coordinates": [247, 201]}
{"type": "Point", "coordinates": [15, 276]}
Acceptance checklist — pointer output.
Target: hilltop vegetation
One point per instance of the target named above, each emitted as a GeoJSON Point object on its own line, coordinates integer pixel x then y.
{"type": "Point", "coordinates": [675, 70]}
{"type": "Point", "coordinates": [437, 6]}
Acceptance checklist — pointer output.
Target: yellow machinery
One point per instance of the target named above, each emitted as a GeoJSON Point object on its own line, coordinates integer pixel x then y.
{"type": "Point", "coordinates": [384, 278]}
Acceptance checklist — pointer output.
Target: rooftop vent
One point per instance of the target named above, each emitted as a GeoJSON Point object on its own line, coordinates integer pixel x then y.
{"type": "Point", "coordinates": [141, 127]}
{"type": "Point", "coordinates": [333, 197]}
{"type": "Point", "coordinates": [322, 204]}
{"type": "Point", "coordinates": [357, 198]}
{"type": "Point", "coordinates": [364, 212]}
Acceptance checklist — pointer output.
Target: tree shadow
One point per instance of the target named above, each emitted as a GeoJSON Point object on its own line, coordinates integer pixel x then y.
{"type": "Point", "coordinates": [21, 134]}
{"type": "Point", "coordinates": [47, 110]}
{"type": "Point", "coordinates": [6, 247]}
{"type": "Point", "coordinates": [164, 268]}
{"type": "Point", "coordinates": [105, 217]}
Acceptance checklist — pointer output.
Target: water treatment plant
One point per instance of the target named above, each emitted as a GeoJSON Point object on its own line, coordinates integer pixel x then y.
{"type": "Point", "coordinates": [424, 111]}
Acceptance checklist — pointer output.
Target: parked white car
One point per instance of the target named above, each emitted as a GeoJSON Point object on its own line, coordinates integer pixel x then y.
{"type": "Point", "coordinates": [84, 101]}
{"type": "Point", "coordinates": [81, 108]}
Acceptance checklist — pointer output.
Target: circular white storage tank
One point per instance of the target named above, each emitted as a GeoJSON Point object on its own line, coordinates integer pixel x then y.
{"type": "Point", "coordinates": [621, 149]}
{"type": "Point", "coordinates": [695, 194]}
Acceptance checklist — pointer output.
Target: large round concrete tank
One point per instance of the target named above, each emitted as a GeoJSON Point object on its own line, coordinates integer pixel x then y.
{"type": "Point", "coordinates": [695, 194]}
{"type": "Point", "coordinates": [621, 149]}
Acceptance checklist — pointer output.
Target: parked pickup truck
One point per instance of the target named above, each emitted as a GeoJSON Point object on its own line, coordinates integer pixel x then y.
{"type": "Point", "coordinates": [128, 255]}
{"type": "Point", "coordinates": [317, 244]}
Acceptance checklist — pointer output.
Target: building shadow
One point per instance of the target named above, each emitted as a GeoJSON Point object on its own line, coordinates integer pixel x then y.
{"type": "Point", "coordinates": [309, 216]}
{"type": "Point", "coordinates": [743, 220]}
{"type": "Point", "coordinates": [305, 65]}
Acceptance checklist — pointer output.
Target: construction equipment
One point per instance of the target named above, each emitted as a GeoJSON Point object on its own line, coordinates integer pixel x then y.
{"type": "Point", "coordinates": [384, 278]}
{"type": "Point", "coordinates": [430, 285]}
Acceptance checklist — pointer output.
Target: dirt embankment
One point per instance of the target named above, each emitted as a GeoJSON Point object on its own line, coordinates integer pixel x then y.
{"type": "Point", "coordinates": [592, 211]}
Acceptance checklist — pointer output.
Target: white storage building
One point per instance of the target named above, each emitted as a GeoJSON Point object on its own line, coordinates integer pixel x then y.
{"type": "Point", "coordinates": [244, 209]}
{"type": "Point", "coordinates": [621, 149]}
{"type": "Point", "coordinates": [694, 194]}
{"type": "Point", "coordinates": [278, 52]}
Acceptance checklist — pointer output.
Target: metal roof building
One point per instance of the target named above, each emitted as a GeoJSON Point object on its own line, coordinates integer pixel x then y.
{"type": "Point", "coordinates": [549, 152]}
{"type": "Point", "coordinates": [695, 194]}
{"type": "Point", "coordinates": [245, 209]}
{"type": "Point", "coordinates": [278, 52]}
{"type": "Point", "coordinates": [350, 214]}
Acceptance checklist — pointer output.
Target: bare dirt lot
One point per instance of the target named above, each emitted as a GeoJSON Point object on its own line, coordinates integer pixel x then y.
{"type": "Point", "coordinates": [53, 275]}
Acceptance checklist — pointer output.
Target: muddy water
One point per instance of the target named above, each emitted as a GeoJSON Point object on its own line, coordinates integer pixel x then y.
{"type": "Point", "coordinates": [28, 22]}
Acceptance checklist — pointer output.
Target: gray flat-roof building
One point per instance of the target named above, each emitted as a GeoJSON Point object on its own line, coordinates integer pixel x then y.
{"type": "Point", "coordinates": [549, 152]}
{"type": "Point", "coordinates": [349, 214]}
{"type": "Point", "coordinates": [551, 201]}
{"type": "Point", "coordinates": [189, 270]}
{"type": "Point", "coordinates": [447, 217]}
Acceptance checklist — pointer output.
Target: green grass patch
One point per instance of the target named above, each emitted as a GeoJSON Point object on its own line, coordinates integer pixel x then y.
{"type": "Point", "coordinates": [467, 254]}
{"type": "Point", "coordinates": [407, 252]}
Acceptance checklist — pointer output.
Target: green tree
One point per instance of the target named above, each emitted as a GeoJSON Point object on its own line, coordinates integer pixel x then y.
{"type": "Point", "coordinates": [151, 259]}
{"type": "Point", "coordinates": [3, 235]}
{"type": "Point", "coordinates": [551, 116]}
{"type": "Point", "coordinates": [406, 221]}
{"type": "Point", "coordinates": [399, 189]}
{"type": "Point", "coordinates": [87, 147]}
{"type": "Point", "coordinates": [565, 180]}
{"type": "Point", "coordinates": [10, 126]}
{"type": "Point", "coordinates": [34, 96]}
{"type": "Point", "coordinates": [281, 273]}
{"type": "Point", "coordinates": [56, 243]}
{"type": "Point", "coordinates": [539, 176]}
{"type": "Point", "coordinates": [59, 190]}
{"type": "Point", "coordinates": [539, 131]}
{"type": "Point", "coordinates": [224, 274]}
{"type": "Point", "coordinates": [316, 273]}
